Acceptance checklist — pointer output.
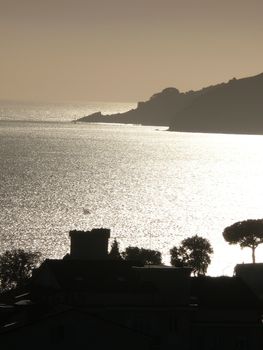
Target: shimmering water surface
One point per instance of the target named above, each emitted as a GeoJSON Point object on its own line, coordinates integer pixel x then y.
{"type": "Point", "coordinates": [152, 188]}
{"type": "Point", "coordinates": [58, 111]}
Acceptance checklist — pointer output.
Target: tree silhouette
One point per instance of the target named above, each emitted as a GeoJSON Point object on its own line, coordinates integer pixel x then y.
{"type": "Point", "coordinates": [16, 267]}
{"type": "Point", "coordinates": [114, 253]}
{"type": "Point", "coordinates": [247, 233]}
{"type": "Point", "coordinates": [179, 256]}
{"type": "Point", "coordinates": [144, 256]}
{"type": "Point", "coordinates": [193, 252]}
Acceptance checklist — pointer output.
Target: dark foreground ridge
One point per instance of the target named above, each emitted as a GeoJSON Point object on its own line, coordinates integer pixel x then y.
{"type": "Point", "coordinates": [233, 107]}
{"type": "Point", "coordinates": [89, 301]}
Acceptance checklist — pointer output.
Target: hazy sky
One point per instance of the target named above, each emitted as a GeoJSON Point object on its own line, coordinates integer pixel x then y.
{"type": "Point", "coordinates": [124, 50]}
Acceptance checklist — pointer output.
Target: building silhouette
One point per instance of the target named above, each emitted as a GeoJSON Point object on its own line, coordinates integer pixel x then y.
{"type": "Point", "coordinates": [88, 300]}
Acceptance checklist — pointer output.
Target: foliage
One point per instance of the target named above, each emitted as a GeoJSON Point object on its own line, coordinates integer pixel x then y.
{"type": "Point", "coordinates": [16, 267]}
{"type": "Point", "coordinates": [114, 253]}
{"type": "Point", "coordinates": [247, 233]}
{"type": "Point", "coordinates": [179, 257]}
{"type": "Point", "coordinates": [144, 256]}
{"type": "Point", "coordinates": [193, 252]}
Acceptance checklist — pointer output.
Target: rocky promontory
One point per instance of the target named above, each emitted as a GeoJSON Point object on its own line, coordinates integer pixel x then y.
{"type": "Point", "coordinates": [232, 107]}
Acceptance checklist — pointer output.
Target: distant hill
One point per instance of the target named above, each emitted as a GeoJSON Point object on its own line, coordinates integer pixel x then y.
{"type": "Point", "coordinates": [233, 107]}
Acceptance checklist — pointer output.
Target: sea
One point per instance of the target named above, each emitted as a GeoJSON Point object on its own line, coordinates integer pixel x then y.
{"type": "Point", "coordinates": [151, 187]}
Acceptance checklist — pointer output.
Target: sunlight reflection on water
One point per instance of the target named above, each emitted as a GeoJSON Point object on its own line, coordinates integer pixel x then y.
{"type": "Point", "coordinates": [152, 188]}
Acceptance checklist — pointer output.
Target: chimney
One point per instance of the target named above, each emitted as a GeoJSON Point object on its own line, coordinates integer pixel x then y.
{"type": "Point", "coordinates": [89, 245]}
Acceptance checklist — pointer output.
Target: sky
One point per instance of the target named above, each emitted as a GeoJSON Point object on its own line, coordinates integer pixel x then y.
{"type": "Point", "coordinates": [124, 50]}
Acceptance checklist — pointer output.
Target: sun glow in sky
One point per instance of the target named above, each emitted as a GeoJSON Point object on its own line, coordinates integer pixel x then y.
{"type": "Point", "coordinates": [122, 50]}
